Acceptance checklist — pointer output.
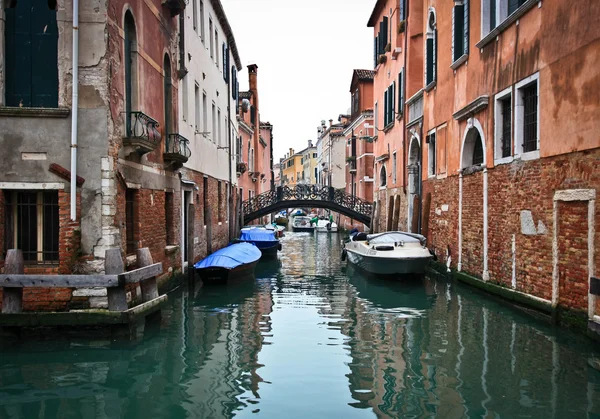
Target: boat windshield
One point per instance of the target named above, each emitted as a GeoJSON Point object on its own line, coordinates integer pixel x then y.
{"type": "Point", "coordinates": [392, 237]}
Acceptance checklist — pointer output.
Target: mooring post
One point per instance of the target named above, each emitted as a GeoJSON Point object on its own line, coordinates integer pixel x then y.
{"type": "Point", "coordinates": [414, 225]}
{"type": "Point", "coordinates": [12, 298]}
{"type": "Point", "coordinates": [148, 285]}
{"type": "Point", "coordinates": [113, 265]}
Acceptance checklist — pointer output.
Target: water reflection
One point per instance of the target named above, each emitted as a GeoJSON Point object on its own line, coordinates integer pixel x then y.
{"type": "Point", "coordinates": [311, 337]}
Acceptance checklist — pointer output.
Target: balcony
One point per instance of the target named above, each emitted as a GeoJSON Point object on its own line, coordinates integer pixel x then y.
{"type": "Point", "coordinates": [175, 6]}
{"type": "Point", "coordinates": [241, 168]}
{"type": "Point", "coordinates": [142, 134]}
{"type": "Point", "coordinates": [177, 150]}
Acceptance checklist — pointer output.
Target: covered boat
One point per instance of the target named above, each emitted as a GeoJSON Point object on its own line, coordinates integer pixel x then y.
{"type": "Point", "coordinates": [391, 253]}
{"type": "Point", "coordinates": [302, 223]}
{"type": "Point", "coordinates": [263, 238]}
{"type": "Point", "coordinates": [326, 226]}
{"type": "Point", "coordinates": [233, 261]}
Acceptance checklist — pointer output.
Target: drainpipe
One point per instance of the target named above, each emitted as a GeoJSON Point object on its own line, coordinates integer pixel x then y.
{"type": "Point", "coordinates": [230, 197]}
{"type": "Point", "coordinates": [74, 109]}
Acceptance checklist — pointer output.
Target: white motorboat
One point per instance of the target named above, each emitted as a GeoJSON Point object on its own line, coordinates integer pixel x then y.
{"type": "Point", "coordinates": [326, 226]}
{"type": "Point", "coordinates": [389, 253]}
{"type": "Point", "coordinates": [302, 223]}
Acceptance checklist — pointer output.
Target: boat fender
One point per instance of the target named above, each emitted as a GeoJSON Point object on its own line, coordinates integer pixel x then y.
{"type": "Point", "coordinates": [344, 254]}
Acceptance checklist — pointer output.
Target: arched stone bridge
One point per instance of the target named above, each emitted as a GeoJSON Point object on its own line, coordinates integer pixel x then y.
{"type": "Point", "coordinates": [307, 196]}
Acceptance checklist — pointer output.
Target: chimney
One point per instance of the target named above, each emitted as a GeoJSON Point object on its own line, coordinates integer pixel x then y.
{"type": "Point", "coordinates": [309, 143]}
{"type": "Point", "coordinates": [291, 152]}
{"type": "Point", "coordinates": [330, 122]}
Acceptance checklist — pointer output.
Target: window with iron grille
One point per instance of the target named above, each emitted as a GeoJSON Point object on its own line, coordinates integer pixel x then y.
{"type": "Point", "coordinates": [31, 224]}
{"type": "Point", "coordinates": [506, 126]}
{"type": "Point", "coordinates": [530, 101]}
{"type": "Point", "coordinates": [477, 150]}
{"type": "Point", "coordinates": [130, 217]}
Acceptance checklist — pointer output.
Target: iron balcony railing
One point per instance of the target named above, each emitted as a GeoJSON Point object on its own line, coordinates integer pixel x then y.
{"type": "Point", "coordinates": [177, 148]}
{"type": "Point", "coordinates": [142, 131]}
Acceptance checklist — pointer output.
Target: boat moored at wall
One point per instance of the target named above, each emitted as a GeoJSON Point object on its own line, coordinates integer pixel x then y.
{"type": "Point", "coordinates": [234, 261]}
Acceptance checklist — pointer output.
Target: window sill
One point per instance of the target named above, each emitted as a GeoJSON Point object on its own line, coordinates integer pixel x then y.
{"type": "Point", "coordinates": [506, 23]}
{"type": "Point", "coordinates": [463, 59]}
{"type": "Point", "coordinates": [171, 249]}
{"type": "Point", "coordinates": [388, 127]}
{"type": "Point", "coordinates": [530, 155]}
{"type": "Point", "coordinates": [503, 160]}
{"type": "Point", "coordinates": [430, 86]}
{"type": "Point", "coordinates": [13, 111]}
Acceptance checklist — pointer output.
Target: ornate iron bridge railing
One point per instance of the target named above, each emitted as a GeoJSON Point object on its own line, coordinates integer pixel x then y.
{"type": "Point", "coordinates": [313, 195]}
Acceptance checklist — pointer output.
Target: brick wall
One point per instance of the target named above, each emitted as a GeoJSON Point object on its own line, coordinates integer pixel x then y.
{"type": "Point", "coordinates": [520, 204]}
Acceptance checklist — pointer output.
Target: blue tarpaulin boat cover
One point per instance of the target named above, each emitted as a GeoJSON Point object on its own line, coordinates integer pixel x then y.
{"type": "Point", "coordinates": [258, 235]}
{"type": "Point", "coordinates": [230, 257]}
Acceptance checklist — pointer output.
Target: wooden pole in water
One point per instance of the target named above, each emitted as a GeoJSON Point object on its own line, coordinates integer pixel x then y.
{"type": "Point", "coordinates": [190, 241]}
{"type": "Point", "coordinates": [12, 298]}
{"type": "Point", "coordinates": [148, 286]}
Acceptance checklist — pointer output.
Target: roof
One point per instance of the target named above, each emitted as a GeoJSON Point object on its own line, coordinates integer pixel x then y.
{"type": "Point", "coordinates": [220, 12]}
{"type": "Point", "coordinates": [376, 10]}
{"type": "Point", "coordinates": [365, 74]}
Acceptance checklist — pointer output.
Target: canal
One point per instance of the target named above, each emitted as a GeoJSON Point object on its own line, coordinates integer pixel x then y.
{"type": "Point", "coordinates": [312, 338]}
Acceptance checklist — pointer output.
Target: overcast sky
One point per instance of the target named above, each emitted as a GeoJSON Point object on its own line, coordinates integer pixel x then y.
{"type": "Point", "coordinates": [305, 52]}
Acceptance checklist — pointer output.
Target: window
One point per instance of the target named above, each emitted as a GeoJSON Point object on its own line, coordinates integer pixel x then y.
{"type": "Point", "coordinates": [431, 50]}
{"type": "Point", "coordinates": [31, 54]}
{"type": "Point", "coordinates": [169, 219]}
{"type": "Point", "coordinates": [496, 11]}
{"type": "Point", "coordinates": [527, 117]}
{"type": "Point", "coordinates": [220, 128]}
{"type": "Point", "coordinates": [212, 45]}
{"type": "Point", "coordinates": [477, 151]}
{"type": "Point", "coordinates": [195, 15]}
{"type": "Point", "coordinates": [225, 63]}
{"type": "Point", "coordinates": [219, 202]}
{"type": "Point", "coordinates": [376, 118]}
{"type": "Point", "coordinates": [217, 45]}
{"type": "Point", "coordinates": [381, 40]}
{"type": "Point", "coordinates": [168, 96]}
{"type": "Point", "coordinates": [197, 108]}
{"type": "Point", "coordinates": [204, 114]}
{"type": "Point", "coordinates": [130, 221]}
{"type": "Point", "coordinates": [205, 200]}
{"type": "Point", "coordinates": [316, 175]}
{"type": "Point", "coordinates": [401, 92]}
{"type": "Point", "coordinates": [389, 100]}
{"type": "Point", "coordinates": [382, 176]}
{"type": "Point", "coordinates": [503, 125]}
{"type": "Point", "coordinates": [460, 32]}
{"type": "Point", "coordinates": [314, 155]}
{"type": "Point", "coordinates": [202, 20]}
{"type": "Point", "coordinates": [473, 148]}
{"type": "Point", "coordinates": [355, 102]}
{"type": "Point", "coordinates": [432, 155]}
{"type": "Point", "coordinates": [214, 123]}
{"type": "Point", "coordinates": [394, 168]}
{"type": "Point", "coordinates": [31, 224]}
{"type": "Point", "coordinates": [184, 98]}
{"type": "Point", "coordinates": [131, 82]}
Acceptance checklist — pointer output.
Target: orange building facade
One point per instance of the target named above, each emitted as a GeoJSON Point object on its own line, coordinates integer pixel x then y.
{"type": "Point", "coordinates": [499, 128]}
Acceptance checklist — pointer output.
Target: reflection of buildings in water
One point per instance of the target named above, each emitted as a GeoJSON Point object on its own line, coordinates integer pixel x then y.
{"type": "Point", "coordinates": [463, 357]}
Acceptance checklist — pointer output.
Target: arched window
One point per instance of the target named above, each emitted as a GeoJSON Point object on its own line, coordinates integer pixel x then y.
{"type": "Point", "coordinates": [382, 176]}
{"type": "Point", "coordinates": [168, 95]}
{"type": "Point", "coordinates": [130, 58]}
{"type": "Point", "coordinates": [31, 53]}
{"type": "Point", "coordinates": [473, 151]}
{"type": "Point", "coordinates": [431, 49]}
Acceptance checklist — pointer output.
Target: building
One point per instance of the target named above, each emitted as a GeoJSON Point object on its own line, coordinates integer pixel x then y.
{"type": "Point", "coordinates": [331, 153]}
{"type": "Point", "coordinates": [309, 164]}
{"type": "Point", "coordinates": [208, 123]}
{"type": "Point", "coordinates": [391, 57]}
{"type": "Point", "coordinates": [86, 164]}
{"type": "Point", "coordinates": [359, 145]}
{"type": "Point", "coordinates": [292, 168]}
{"type": "Point", "coordinates": [501, 139]}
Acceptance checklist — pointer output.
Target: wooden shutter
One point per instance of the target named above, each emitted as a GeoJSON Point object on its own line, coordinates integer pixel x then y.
{"type": "Point", "coordinates": [466, 26]}
{"type": "Point", "coordinates": [429, 61]}
{"type": "Point", "coordinates": [385, 32]}
{"type": "Point", "coordinates": [402, 10]}
{"type": "Point", "coordinates": [458, 33]}
{"type": "Point", "coordinates": [31, 48]}
{"type": "Point", "coordinates": [401, 91]}
{"type": "Point", "coordinates": [385, 108]}
{"type": "Point", "coordinates": [233, 82]}
{"type": "Point", "coordinates": [375, 51]}
{"type": "Point", "coordinates": [225, 63]}
{"type": "Point", "coordinates": [434, 55]}
{"type": "Point", "coordinates": [393, 102]}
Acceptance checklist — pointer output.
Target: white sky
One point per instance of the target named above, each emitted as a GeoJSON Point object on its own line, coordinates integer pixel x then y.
{"type": "Point", "coordinates": [305, 52]}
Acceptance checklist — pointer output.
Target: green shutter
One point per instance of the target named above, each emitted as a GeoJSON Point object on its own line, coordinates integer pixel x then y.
{"type": "Point", "coordinates": [385, 108]}
{"type": "Point", "coordinates": [429, 63]}
{"type": "Point", "coordinates": [375, 50]}
{"type": "Point", "coordinates": [459, 31]}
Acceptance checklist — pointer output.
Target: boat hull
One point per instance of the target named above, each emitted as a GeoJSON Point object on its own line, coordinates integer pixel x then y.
{"type": "Point", "coordinates": [388, 267]}
{"type": "Point", "coordinates": [325, 230]}
{"type": "Point", "coordinates": [215, 275]}
{"type": "Point", "coordinates": [303, 229]}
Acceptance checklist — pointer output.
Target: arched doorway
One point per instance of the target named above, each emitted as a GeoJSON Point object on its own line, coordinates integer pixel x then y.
{"type": "Point", "coordinates": [414, 181]}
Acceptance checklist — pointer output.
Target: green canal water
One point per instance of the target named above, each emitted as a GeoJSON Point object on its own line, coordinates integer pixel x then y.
{"type": "Point", "coordinates": [312, 338]}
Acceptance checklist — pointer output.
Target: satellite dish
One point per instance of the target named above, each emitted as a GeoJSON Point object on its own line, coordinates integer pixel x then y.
{"type": "Point", "coordinates": [245, 105]}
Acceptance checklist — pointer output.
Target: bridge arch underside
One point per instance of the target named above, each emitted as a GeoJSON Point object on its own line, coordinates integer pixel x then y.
{"type": "Point", "coordinates": [281, 205]}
